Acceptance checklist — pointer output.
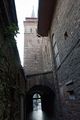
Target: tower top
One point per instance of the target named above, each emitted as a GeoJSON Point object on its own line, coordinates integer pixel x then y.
{"type": "Point", "coordinates": [33, 13]}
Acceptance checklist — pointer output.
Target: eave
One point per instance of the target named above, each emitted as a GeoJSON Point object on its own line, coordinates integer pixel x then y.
{"type": "Point", "coordinates": [45, 15]}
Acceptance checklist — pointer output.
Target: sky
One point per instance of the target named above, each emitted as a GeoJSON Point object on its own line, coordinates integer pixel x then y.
{"type": "Point", "coordinates": [24, 9]}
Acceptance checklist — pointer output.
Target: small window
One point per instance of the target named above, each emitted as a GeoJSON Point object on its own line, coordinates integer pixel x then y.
{"type": "Point", "coordinates": [30, 30]}
{"type": "Point", "coordinates": [54, 40]}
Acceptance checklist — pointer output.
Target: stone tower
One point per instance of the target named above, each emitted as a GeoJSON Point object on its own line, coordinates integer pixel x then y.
{"type": "Point", "coordinates": [37, 52]}
{"type": "Point", "coordinates": [32, 47]}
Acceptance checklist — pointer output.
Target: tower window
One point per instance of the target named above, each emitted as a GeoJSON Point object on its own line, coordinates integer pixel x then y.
{"type": "Point", "coordinates": [30, 30]}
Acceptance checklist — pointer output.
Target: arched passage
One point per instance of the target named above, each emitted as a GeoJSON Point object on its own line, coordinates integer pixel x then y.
{"type": "Point", "coordinates": [47, 99]}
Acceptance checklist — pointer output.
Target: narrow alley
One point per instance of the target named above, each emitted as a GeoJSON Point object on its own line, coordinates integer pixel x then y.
{"type": "Point", "coordinates": [47, 86]}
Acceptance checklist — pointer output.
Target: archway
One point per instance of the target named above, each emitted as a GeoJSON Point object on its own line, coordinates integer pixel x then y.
{"type": "Point", "coordinates": [47, 99]}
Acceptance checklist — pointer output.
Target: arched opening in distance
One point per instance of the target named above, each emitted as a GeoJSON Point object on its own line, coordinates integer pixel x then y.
{"type": "Point", "coordinates": [37, 102]}
{"type": "Point", "coordinates": [43, 96]}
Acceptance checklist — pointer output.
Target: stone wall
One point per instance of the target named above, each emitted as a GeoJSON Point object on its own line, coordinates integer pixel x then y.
{"type": "Point", "coordinates": [40, 79]}
{"type": "Point", "coordinates": [65, 35]}
{"type": "Point", "coordinates": [12, 80]}
{"type": "Point", "coordinates": [37, 55]}
{"type": "Point", "coordinates": [46, 54]}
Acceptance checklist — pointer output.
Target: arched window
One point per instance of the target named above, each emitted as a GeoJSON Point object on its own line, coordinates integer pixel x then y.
{"type": "Point", "coordinates": [36, 101]}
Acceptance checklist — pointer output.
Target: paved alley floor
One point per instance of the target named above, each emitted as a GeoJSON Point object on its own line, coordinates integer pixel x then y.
{"type": "Point", "coordinates": [38, 115]}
